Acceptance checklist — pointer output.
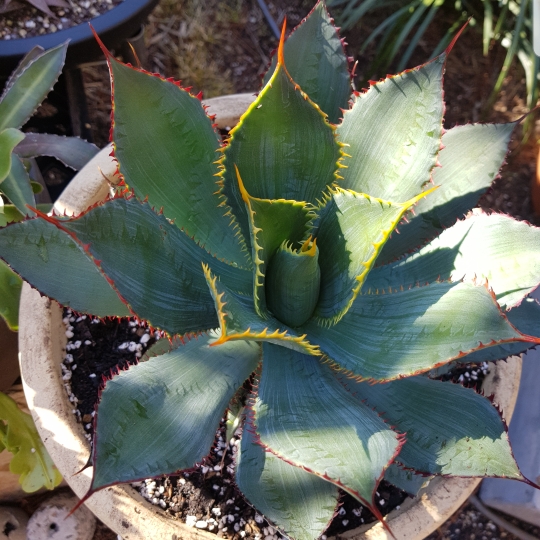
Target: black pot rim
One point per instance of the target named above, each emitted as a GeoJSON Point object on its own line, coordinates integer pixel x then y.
{"type": "Point", "coordinates": [120, 23]}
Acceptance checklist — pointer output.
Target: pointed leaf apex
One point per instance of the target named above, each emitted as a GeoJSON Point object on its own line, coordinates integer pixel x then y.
{"type": "Point", "coordinates": [456, 37]}
{"type": "Point", "coordinates": [106, 51]}
{"type": "Point", "coordinates": [281, 57]}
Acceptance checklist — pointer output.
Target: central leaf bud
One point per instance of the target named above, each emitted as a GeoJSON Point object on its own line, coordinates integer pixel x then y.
{"type": "Point", "coordinates": [293, 280]}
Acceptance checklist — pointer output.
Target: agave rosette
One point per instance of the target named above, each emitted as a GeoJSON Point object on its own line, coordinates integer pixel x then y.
{"type": "Point", "coordinates": [272, 257]}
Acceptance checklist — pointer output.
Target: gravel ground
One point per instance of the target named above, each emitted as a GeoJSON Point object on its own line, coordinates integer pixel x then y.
{"type": "Point", "coordinates": [28, 21]}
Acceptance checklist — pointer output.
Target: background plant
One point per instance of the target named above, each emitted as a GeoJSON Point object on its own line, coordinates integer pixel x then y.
{"type": "Point", "coordinates": [507, 22]}
{"type": "Point", "coordinates": [276, 265]}
{"type": "Point", "coordinates": [23, 93]}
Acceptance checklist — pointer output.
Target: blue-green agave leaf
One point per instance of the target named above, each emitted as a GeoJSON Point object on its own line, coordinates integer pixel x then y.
{"type": "Point", "coordinates": [450, 430]}
{"type": "Point", "coordinates": [337, 438]}
{"type": "Point", "coordinates": [469, 162]}
{"type": "Point", "coordinates": [161, 131]}
{"type": "Point", "coordinates": [404, 479]}
{"type": "Point", "coordinates": [154, 265]}
{"type": "Point", "coordinates": [404, 332]}
{"type": "Point", "coordinates": [50, 260]}
{"type": "Point", "coordinates": [16, 187]}
{"type": "Point", "coordinates": [393, 132]}
{"type": "Point", "coordinates": [299, 503]}
{"type": "Point", "coordinates": [161, 415]}
{"type": "Point", "coordinates": [482, 247]}
{"type": "Point", "coordinates": [316, 60]}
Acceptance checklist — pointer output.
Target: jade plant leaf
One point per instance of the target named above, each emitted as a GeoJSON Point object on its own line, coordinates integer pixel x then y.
{"type": "Point", "coordinates": [469, 162]}
{"type": "Point", "coordinates": [51, 261]}
{"type": "Point", "coordinates": [426, 410]}
{"type": "Point", "coordinates": [336, 438]}
{"type": "Point", "coordinates": [406, 332]}
{"type": "Point", "coordinates": [30, 460]}
{"type": "Point", "coordinates": [9, 139]}
{"type": "Point", "coordinates": [480, 247]}
{"type": "Point", "coordinates": [148, 150]}
{"type": "Point", "coordinates": [17, 188]}
{"type": "Point", "coordinates": [299, 503]}
{"type": "Point", "coordinates": [316, 59]}
{"type": "Point", "coordinates": [152, 419]}
{"type": "Point", "coordinates": [394, 164]}
{"type": "Point", "coordinates": [10, 292]}
{"type": "Point", "coordinates": [23, 96]}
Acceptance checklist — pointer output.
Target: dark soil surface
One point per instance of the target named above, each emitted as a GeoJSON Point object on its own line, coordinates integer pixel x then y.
{"type": "Point", "coordinates": [27, 21]}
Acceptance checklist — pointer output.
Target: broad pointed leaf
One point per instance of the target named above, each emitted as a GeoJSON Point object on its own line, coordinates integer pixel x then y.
{"type": "Point", "coordinates": [394, 133]}
{"type": "Point", "coordinates": [71, 151]}
{"type": "Point", "coordinates": [51, 261]}
{"type": "Point", "coordinates": [316, 60]}
{"type": "Point", "coordinates": [450, 430]}
{"type": "Point", "coordinates": [16, 186]}
{"type": "Point", "coordinates": [297, 502]}
{"type": "Point", "coordinates": [352, 230]}
{"type": "Point", "coordinates": [27, 92]}
{"type": "Point", "coordinates": [271, 222]}
{"type": "Point", "coordinates": [387, 336]}
{"type": "Point", "coordinates": [9, 139]}
{"type": "Point", "coordinates": [238, 320]}
{"type": "Point", "coordinates": [10, 293]}
{"type": "Point", "coordinates": [28, 58]}
{"type": "Point", "coordinates": [337, 438]}
{"type": "Point", "coordinates": [406, 480]}
{"type": "Point", "coordinates": [469, 162]}
{"type": "Point", "coordinates": [30, 458]}
{"type": "Point", "coordinates": [169, 290]}
{"type": "Point", "coordinates": [161, 132]}
{"type": "Point", "coordinates": [526, 318]}
{"type": "Point", "coordinates": [491, 247]}
{"type": "Point", "coordinates": [283, 148]}
{"type": "Point", "coordinates": [161, 415]}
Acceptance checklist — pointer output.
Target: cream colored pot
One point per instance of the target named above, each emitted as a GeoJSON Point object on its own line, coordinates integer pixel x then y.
{"type": "Point", "coordinates": [42, 342]}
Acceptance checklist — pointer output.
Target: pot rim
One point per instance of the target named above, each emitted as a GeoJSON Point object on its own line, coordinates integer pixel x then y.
{"type": "Point", "coordinates": [42, 343]}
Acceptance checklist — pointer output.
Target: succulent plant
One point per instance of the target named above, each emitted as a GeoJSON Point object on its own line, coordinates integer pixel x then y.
{"type": "Point", "coordinates": [23, 93]}
{"type": "Point", "coordinates": [271, 259]}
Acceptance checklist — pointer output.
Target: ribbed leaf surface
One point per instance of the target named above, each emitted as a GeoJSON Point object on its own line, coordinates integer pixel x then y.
{"type": "Point", "coordinates": [450, 430]}
{"type": "Point", "coordinates": [51, 261]}
{"type": "Point", "coordinates": [17, 188]}
{"type": "Point", "coordinates": [394, 134]}
{"type": "Point", "coordinates": [297, 502]}
{"type": "Point", "coordinates": [351, 232]}
{"type": "Point", "coordinates": [486, 247]}
{"type": "Point", "coordinates": [470, 161]}
{"type": "Point", "coordinates": [526, 318]}
{"type": "Point", "coordinates": [316, 60]}
{"type": "Point", "coordinates": [239, 320]}
{"type": "Point", "coordinates": [154, 265]}
{"type": "Point", "coordinates": [29, 89]}
{"type": "Point", "coordinates": [283, 148]}
{"type": "Point", "coordinates": [338, 437]}
{"type": "Point", "coordinates": [271, 222]}
{"type": "Point", "coordinates": [387, 336]}
{"type": "Point", "coordinates": [167, 149]}
{"type": "Point", "coordinates": [162, 415]}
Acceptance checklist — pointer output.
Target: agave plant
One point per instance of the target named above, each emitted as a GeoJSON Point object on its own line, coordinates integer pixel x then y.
{"type": "Point", "coordinates": [271, 259]}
